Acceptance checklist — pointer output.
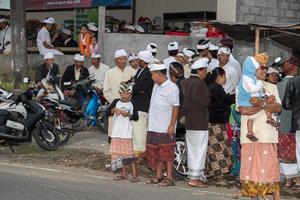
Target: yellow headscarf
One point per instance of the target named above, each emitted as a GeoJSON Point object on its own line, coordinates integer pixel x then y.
{"type": "Point", "coordinates": [262, 58]}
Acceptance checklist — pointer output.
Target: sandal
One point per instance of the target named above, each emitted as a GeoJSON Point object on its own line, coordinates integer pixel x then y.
{"type": "Point", "coordinates": [120, 178]}
{"type": "Point", "coordinates": [198, 185]}
{"type": "Point", "coordinates": [134, 180]}
{"type": "Point", "coordinates": [251, 137]}
{"type": "Point", "coordinates": [273, 123]}
{"type": "Point", "coordinates": [296, 187]}
{"type": "Point", "coordinates": [166, 183]}
{"type": "Point", "coordinates": [154, 180]}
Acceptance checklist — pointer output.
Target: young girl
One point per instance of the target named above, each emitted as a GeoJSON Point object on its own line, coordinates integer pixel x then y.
{"type": "Point", "coordinates": [251, 87]}
{"type": "Point", "coordinates": [94, 47]}
{"type": "Point", "coordinates": [121, 147]}
{"type": "Point", "coordinates": [84, 41]}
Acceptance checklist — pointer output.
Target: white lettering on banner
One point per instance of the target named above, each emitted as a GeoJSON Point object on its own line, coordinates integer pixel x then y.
{"type": "Point", "coordinates": [61, 3]}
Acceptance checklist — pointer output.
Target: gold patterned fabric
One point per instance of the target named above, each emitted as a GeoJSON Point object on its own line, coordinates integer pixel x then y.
{"type": "Point", "coordinates": [252, 189]}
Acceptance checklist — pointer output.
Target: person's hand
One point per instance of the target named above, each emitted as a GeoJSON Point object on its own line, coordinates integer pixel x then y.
{"type": "Point", "coordinates": [117, 111]}
{"type": "Point", "coordinates": [256, 102]}
{"type": "Point", "coordinates": [125, 113]}
{"type": "Point", "coordinates": [171, 130]}
{"type": "Point", "coordinates": [270, 99]}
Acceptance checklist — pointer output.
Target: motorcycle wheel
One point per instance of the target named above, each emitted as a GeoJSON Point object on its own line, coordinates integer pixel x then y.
{"type": "Point", "coordinates": [180, 162]}
{"type": "Point", "coordinates": [102, 122]}
{"type": "Point", "coordinates": [46, 136]}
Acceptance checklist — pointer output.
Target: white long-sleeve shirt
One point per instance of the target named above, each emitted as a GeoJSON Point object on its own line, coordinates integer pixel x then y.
{"type": "Point", "coordinates": [255, 89]}
{"type": "Point", "coordinates": [232, 79]}
{"type": "Point", "coordinates": [112, 80]}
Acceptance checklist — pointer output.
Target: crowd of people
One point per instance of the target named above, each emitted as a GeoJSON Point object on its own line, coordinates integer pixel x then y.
{"type": "Point", "coordinates": [87, 37]}
{"type": "Point", "coordinates": [148, 100]}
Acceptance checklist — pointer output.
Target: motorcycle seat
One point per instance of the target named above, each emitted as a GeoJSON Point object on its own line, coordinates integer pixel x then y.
{"type": "Point", "coordinates": [69, 102]}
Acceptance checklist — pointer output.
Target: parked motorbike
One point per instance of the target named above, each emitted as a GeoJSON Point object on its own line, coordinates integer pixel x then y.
{"type": "Point", "coordinates": [65, 112]}
{"type": "Point", "coordinates": [23, 118]}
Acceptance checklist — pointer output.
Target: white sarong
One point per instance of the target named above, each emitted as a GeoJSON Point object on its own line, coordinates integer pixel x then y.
{"type": "Point", "coordinates": [196, 142]}
{"type": "Point", "coordinates": [140, 133]}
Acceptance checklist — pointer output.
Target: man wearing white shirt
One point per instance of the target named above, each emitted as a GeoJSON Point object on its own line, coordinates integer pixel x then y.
{"type": "Point", "coordinates": [173, 49]}
{"type": "Point", "coordinates": [227, 42]}
{"type": "Point", "coordinates": [232, 77]}
{"type": "Point", "coordinates": [44, 42]}
{"type": "Point", "coordinates": [5, 36]}
{"type": "Point", "coordinates": [98, 70]}
{"type": "Point", "coordinates": [163, 113]}
{"type": "Point", "coordinates": [113, 78]}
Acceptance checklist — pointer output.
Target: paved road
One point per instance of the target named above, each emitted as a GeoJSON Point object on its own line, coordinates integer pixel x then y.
{"type": "Point", "coordinates": [20, 182]}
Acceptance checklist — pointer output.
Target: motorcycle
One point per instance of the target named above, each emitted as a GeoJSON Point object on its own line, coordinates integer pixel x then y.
{"type": "Point", "coordinates": [23, 118]}
{"type": "Point", "coordinates": [65, 112]}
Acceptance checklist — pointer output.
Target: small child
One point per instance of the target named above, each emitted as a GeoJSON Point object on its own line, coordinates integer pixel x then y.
{"type": "Point", "coordinates": [94, 47]}
{"type": "Point", "coordinates": [251, 87]}
{"type": "Point", "coordinates": [121, 147]}
{"type": "Point", "coordinates": [84, 41]}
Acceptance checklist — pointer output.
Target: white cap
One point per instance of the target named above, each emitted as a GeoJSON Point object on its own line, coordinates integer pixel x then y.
{"type": "Point", "coordinates": [145, 56]}
{"type": "Point", "coordinates": [139, 29]}
{"type": "Point", "coordinates": [224, 50]}
{"type": "Point", "coordinates": [91, 24]}
{"type": "Point", "coordinates": [188, 52]}
{"type": "Point", "coordinates": [107, 30]}
{"type": "Point", "coordinates": [92, 27]}
{"type": "Point", "coordinates": [152, 47]}
{"type": "Point", "coordinates": [66, 31]}
{"type": "Point", "coordinates": [200, 63]}
{"type": "Point", "coordinates": [94, 55]}
{"type": "Point", "coordinates": [120, 53]}
{"type": "Point", "coordinates": [132, 56]}
{"type": "Point", "coordinates": [272, 70]}
{"type": "Point", "coordinates": [157, 67]}
{"type": "Point", "coordinates": [3, 20]}
{"type": "Point", "coordinates": [79, 58]}
{"type": "Point", "coordinates": [129, 27]}
{"type": "Point", "coordinates": [173, 46]}
{"type": "Point", "coordinates": [213, 47]}
{"type": "Point", "coordinates": [48, 55]}
{"type": "Point", "coordinates": [204, 44]}
{"type": "Point", "coordinates": [49, 20]}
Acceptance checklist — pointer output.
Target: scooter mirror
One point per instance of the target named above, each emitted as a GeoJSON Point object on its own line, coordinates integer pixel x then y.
{"type": "Point", "coordinates": [26, 80]}
{"type": "Point", "coordinates": [278, 59]}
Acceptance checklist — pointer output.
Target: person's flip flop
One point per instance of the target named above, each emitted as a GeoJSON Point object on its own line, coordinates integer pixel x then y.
{"type": "Point", "coordinates": [134, 180]}
{"type": "Point", "coordinates": [154, 180]}
{"type": "Point", "coordinates": [167, 183]}
{"type": "Point", "coordinates": [120, 178]}
{"type": "Point", "coordinates": [199, 185]}
{"type": "Point", "coordinates": [296, 187]}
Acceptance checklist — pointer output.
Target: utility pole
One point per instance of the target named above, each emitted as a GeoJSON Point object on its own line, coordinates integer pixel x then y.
{"type": "Point", "coordinates": [19, 64]}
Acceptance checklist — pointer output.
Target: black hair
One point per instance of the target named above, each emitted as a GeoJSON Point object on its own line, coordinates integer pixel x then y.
{"type": "Point", "coordinates": [94, 36]}
{"type": "Point", "coordinates": [214, 54]}
{"type": "Point", "coordinates": [176, 69]}
{"type": "Point", "coordinates": [84, 25]}
{"type": "Point", "coordinates": [173, 52]}
{"type": "Point", "coordinates": [212, 76]}
{"type": "Point", "coordinates": [153, 54]}
{"type": "Point", "coordinates": [163, 71]}
{"type": "Point", "coordinates": [194, 71]}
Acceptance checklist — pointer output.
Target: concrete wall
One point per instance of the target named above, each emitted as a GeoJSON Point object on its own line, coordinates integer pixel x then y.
{"type": "Point", "coordinates": [137, 42]}
{"type": "Point", "coordinates": [226, 10]}
{"type": "Point", "coordinates": [268, 11]}
{"type": "Point", "coordinates": [34, 60]}
{"type": "Point", "coordinates": [155, 8]}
